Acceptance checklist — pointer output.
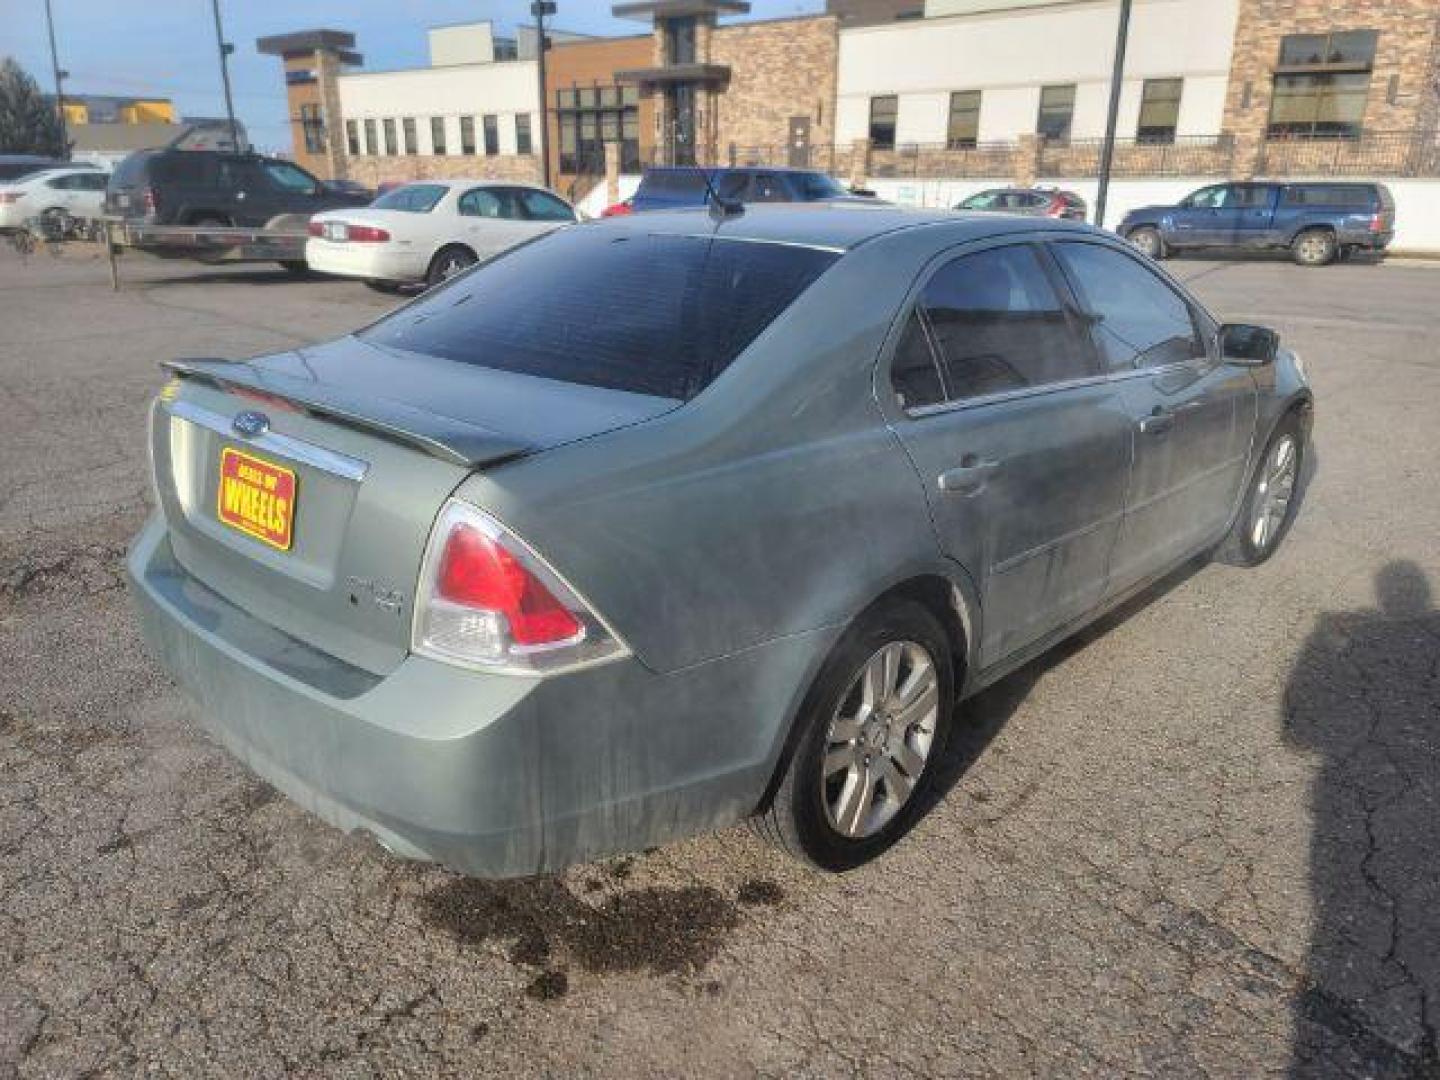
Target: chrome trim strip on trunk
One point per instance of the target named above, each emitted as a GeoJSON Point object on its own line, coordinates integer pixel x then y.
{"type": "Point", "coordinates": [286, 446]}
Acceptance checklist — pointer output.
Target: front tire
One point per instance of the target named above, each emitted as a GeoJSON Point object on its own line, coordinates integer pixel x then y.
{"type": "Point", "coordinates": [1148, 242]}
{"type": "Point", "coordinates": [1271, 500]}
{"type": "Point", "coordinates": [1315, 247]}
{"type": "Point", "coordinates": [872, 728]}
{"type": "Point", "coordinates": [448, 262]}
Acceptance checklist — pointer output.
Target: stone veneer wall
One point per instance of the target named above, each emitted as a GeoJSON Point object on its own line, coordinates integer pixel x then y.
{"type": "Point", "coordinates": [779, 69]}
{"type": "Point", "coordinates": [375, 170]}
{"type": "Point", "coordinates": [1407, 48]}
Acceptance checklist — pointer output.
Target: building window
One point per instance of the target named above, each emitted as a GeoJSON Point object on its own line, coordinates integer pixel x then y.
{"type": "Point", "coordinates": [437, 135]}
{"type": "Point", "coordinates": [882, 121]}
{"type": "Point", "coordinates": [590, 116]}
{"type": "Point", "coordinates": [1057, 110]}
{"type": "Point", "coordinates": [963, 131]}
{"type": "Point", "coordinates": [522, 133]}
{"type": "Point", "coordinates": [412, 141]}
{"type": "Point", "coordinates": [372, 144]}
{"type": "Point", "coordinates": [1322, 84]}
{"type": "Point", "coordinates": [491, 127]}
{"type": "Point", "coordinates": [1159, 110]}
{"type": "Point", "coordinates": [352, 138]}
{"type": "Point", "coordinates": [467, 135]}
{"type": "Point", "coordinates": [389, 128]}
{"type": "Point", "coordinates": [680, 40]}
{"type": "Point", "coordinates": [314, 128]}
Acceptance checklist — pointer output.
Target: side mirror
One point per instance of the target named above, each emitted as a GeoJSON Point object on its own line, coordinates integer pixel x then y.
{"type": "Point", "coordinates": [1255, 346]}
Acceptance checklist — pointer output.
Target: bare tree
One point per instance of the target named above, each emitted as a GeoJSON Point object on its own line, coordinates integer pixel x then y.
{"type": "Point", "coordinates": [29, 122]}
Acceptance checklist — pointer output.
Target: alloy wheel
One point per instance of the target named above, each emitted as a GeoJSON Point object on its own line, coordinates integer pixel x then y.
{"type": "Point", "coordinates": [879, 739]}
{"type": "Point", "coordinates": [1273, 494]}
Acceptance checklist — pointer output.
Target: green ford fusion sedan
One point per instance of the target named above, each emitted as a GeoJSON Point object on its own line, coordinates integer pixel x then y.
{"type": "Point", "coordinates": [664, 522]}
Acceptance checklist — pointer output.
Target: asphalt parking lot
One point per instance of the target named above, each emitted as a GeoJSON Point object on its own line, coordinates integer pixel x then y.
{"type": "Point", "coordinates": [1202, 840]}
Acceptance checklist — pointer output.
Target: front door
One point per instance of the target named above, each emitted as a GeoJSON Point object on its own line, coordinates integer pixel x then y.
{"type": "Point", "coordinates": [1200, 220]}
{"type": "Point", "coordinates": [1192, 415]}
{"type": "Point", "coordinates": [798, 153]}
{"type": "Point", "coordinates": [1023, 449]}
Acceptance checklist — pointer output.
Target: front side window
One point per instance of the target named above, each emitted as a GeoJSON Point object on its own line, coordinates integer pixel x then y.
{"type": "Point", "coordinates": [998, 325]}
{"type": "Point", "coordinates": [289, 177]}
{"type": "Point", "coordinates": [1210, 198]}
{"type": "Point", "coordinates": [814, 186]}
{"type": "Point", "coordinates": [492, 135]}
{"type": "Point", "coordinates": [413, 198]}
{"type": "Point", "coordinates": [883, 111]}
{"type": "Point", "coordinates": [437, 135]}
{"type": "Point", "coordinates": [389, 128]}
{"type": "Point", "coordinates": [412, 140]}
{"type": "Point", "coordinates": [1159, 110]}
{"type": "Point", "coordinates": [963, 130]}
{"type": "Point", "coordinates": [1057, 111]}
{"type": "Point", "coordinates": [1139, 321]}
{"type": "Point", "coordinates": [674, 313]}
{"type": "Point", "coordinates": [542, 206]}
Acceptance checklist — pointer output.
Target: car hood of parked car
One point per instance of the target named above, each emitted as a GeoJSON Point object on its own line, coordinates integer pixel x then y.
{"type": "Point", "coordinates": [420, 400]}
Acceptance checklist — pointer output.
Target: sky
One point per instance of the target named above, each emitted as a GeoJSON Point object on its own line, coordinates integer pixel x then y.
{"type": "Point", "coordinates": [167, 47]}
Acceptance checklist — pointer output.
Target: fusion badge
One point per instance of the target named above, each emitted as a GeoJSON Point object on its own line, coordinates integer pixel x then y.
{"type": "Point", "coordinates": [257, 498]}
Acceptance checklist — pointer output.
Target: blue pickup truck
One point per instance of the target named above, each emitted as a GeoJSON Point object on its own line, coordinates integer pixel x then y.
{"type": "Point", "coordinates": [1316, 222]}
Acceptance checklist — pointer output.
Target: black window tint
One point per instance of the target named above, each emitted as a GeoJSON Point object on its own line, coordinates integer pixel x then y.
{"type": "Point", "coordinates": [1356, 196]}
{"type": "Point", "coordinates": [182, 167]}
{"type": "Point", "coordinates": [913, 373]}
{"type": "Point", "coordinates": [674, 311]}
{"type": "Point", "coordinates": [732, 185]}
{"type": "Point", "coordinates": [999, 324]}
{"type": "Point", "coordinates": [767, 187]}
{"type": "Point", "coordinates": [1249, 197]}
{"type": "Point", "coordinates": [542, 206]}
{"type": "Point", "coordinates": [674, 181]}
{"type": "Point", "coordinates": [1139, 320]}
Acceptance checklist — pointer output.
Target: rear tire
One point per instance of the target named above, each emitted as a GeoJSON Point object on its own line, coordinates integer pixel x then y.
{"type": "Point", "coordinates": [388, 287]}
{"type": "Point", "coordinates": [448, 262]}
{"type": "Point", "coordinates": [1271, 500]}
{"type": "Point", "coordinates": [871, 731]}
{"type": "Point", "coordinates": [1148, 242]}
{"type": "Point", "coordinates": [209, 221]}
{"type": "Point", "coordinates": [1314, 247]}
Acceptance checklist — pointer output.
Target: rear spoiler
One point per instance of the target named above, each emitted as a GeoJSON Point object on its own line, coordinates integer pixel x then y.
{"type": "Point", "coordinates": [442, 437]}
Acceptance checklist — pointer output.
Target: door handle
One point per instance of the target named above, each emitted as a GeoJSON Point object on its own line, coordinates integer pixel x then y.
{"type": "Point", "coordinates": [1157, 423]}
{"type": "Point", "coordinates": [969, 479]}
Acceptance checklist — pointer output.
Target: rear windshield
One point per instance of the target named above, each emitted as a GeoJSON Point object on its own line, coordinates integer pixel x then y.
{"type": "Point", "coordinates": [820, 186]}
{"type": "Point", "coordinates": [673, 181]}
{"type": "Point", "coordinates": [651, 314]}
{"type": "Point", "coordinates": [1357, 195]}
{"type": "Point", "coordinates": [416, 198]}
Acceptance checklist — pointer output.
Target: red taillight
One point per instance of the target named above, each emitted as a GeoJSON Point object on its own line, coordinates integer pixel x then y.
{"type": "Point", "coordinates": [366, 234]}
{"type": "Point", "coordinates": [1377, 223]}
{"type": "Point", "coordinates": [1056, 207]}
{"type": "Point", "coordinates": [619, 209]}
{"type": "Point", "coordinates": [315, 229]}
{"type": "Point", "coordinates": [475, 571]}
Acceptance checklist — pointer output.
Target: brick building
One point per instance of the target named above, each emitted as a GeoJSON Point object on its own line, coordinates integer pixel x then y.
{"type": "Point", "coordinates": [586, 107]}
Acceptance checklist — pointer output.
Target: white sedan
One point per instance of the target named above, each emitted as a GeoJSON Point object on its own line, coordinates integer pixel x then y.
{"type": "Point", "coordinates": [79, 192]}
{"type": "Point", "coordinates": [431, 230]}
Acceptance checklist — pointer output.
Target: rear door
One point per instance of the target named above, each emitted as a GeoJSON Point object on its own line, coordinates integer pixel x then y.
{"type": "Point", "coordinates": [1193, 416]}
{"type": "Point", "coordinates": [1252, 212]}
{"type": "Point", "coordinates": [493, 220]}
{"type": "Point", "coordinates": [1022, 447]}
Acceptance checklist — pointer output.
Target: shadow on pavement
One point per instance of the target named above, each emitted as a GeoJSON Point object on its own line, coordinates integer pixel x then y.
{"type": "Point", "coordinates": [1365, 698]}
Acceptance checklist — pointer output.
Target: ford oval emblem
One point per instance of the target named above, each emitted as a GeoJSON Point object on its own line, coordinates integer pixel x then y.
{"type": "Point", "coordinates": [250, 423]}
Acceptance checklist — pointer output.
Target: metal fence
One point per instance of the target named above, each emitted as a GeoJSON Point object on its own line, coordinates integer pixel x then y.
{"type": "Point", "coordinates": [1185, 155]}
{"type": "Point", "coordinates": [1370, 153]}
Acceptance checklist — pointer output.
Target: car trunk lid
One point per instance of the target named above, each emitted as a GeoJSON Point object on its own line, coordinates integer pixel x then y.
{"type": "Point", "coordinates": [364, 445]}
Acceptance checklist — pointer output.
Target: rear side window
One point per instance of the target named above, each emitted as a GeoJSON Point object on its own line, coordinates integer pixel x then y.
{"type": "Point", "coordinates": [1350, 196]}
{"type": "Point", "coordinates": [542, 206]}
{"type": "Point", "coordinates": [659, 315]}
{"type": "Point", "coordinates": [415, 198]}
{"type": "Point", "coordinates": [998, 325]}
{"type": "Point", "coordinates": [182, 167]}
{"type": "Point", "coordinates": [1139, 320]}
{"type": "Point", "coordinates": [819, 186]}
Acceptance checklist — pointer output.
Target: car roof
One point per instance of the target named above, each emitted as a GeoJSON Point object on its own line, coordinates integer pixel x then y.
{"type": "Point", "coordinates": [834, 226]}
{"type": "Point", "coordinates": [716, 169]}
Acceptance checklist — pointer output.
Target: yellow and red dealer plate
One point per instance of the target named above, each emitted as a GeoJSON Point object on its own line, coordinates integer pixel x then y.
{"type": "Point", "coordinates": [257, 497]}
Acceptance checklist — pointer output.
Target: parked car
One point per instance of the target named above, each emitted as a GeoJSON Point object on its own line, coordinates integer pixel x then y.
{"type": "Point", "coordinates": [351, 187]}
{"type": "Point", "coordinates": [14, 166]}
{"type": "Point", "coordinates": [216, 188]}
{"type": "Point", "coordinates": [76, 192]}
{"type": "Point", "coordinates": [430, 231]}
{"type": "Point", "coordinates": [1033, 202]}
{"type": "Point", "coordinates": [1317, 222]}
{"type": "Point", "coordinates": [662, 522]}
{"type": "Point", "coordinates": [681, 187]}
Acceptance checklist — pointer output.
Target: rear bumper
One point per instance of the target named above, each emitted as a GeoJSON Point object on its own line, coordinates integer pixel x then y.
{"type": "Point", "coordinates": [491, 775]}
{"type": "Point", "coordinates": [369, 261]}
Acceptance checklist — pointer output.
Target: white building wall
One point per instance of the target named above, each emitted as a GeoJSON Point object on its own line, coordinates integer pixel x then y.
{"type": "Point", "coordinates": [503, 89]}
{"type": "Point", "coordinates": [467, 43]}
{"type": "Point", "coordinates": [1010, 54]}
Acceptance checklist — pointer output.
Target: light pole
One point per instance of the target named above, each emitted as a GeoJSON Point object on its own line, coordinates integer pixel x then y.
{"type": "Point", "coordinates": [1107, 152]}
{"type": "Point", "coordinates": [541, 8]}
{"type": "Point", "coordinates": [225, 50]}
{"type": "Point", "coordinates": [60, 77]}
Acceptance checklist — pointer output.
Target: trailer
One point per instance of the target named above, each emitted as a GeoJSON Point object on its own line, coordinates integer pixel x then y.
{"type": "Point", "coordinates": [282, 241]}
